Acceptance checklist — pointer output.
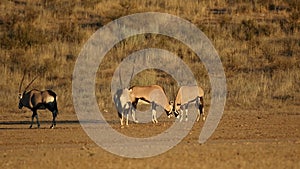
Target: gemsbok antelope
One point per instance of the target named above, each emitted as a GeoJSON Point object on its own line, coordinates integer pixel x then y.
{"type": "Point", "coordinates": [124, 105]}
{"type": "Point", "coordinates": [154, 95]}
{"type": "Point", "coordinates": [123, 102]}
{"type": "Point", "coordinates": [187, 95]}
{"type": "Point", "coordinates": [36, 99]}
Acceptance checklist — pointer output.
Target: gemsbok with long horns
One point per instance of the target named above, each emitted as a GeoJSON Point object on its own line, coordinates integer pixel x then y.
{"type": "Point", "coordinates": [187, 95]}
{"type": "Point", "coordinates": [123, 102]}
{"type": "Point", "coordinates": [36, 99]}
{"type": "Point", "coordinates": [154, 95]}
{"type": "Point", "coordinates": [124, 106]}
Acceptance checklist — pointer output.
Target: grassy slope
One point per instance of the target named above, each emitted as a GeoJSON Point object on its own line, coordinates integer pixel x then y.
{"type": "Point", "coordinates": [258, 42]}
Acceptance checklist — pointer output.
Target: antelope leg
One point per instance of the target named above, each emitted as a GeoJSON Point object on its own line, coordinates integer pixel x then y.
{"type": "Point", "coordinates": [127, 118]}
{"type": "Point", "coordinates": [154, 119]}
{"type": "Point", "coordinates": [37, 120]}
{"type": "Point", "coordinates": [203, 114]}
{"type": "Point", "coordinates": [133, 115]}
{"type": "Point", "coordinates": [181, 114]}
{"type": "Point", "coordinates": [197, 104]}
{"type": "Point", "coordinates": [54, 114]}
{"type": "Point", "coordinates": [186, 111]}
{"type": "Point", "coordinates": [32, 118]}
{"type": "Point", "coordinates": [198, 115]}
{"type": "Point", "coordinates": [34, 114]}
{"type": "Point", "coordinates": [121, 119]}
{"type": "Point", "coordinates": [186, 114]}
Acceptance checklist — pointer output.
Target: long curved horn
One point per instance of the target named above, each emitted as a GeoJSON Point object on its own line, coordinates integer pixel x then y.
{"type": "Point", "coordinates": [131, 76]}
{"type": "Point", "coordinates": [30, 83]}
{"type": "Point", "coordinates": [20, 86]}
{"type": "Point", "coordinates": [120, 78]}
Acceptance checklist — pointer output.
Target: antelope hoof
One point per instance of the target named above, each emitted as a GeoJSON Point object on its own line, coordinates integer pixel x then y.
{"type": "Point", "coordinates": [203, 118]}
{"type": "Point", "coordinates": [52, 126]}
{"type": "Point", "coordinates": [30, 126]}
{"type": "Point", "coordinates": [154, 121]}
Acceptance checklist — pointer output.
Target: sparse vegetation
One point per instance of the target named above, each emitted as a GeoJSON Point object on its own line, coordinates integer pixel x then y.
{"type": "Point", "coordinates": [258, 42]}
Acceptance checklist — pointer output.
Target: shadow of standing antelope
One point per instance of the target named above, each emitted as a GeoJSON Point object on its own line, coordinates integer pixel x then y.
{"type": "Point", "coordinates": [36, 99]}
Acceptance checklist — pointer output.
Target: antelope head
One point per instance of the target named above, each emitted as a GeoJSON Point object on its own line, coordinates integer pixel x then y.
{"type": "Point", "coordinates": [169, 113]}
{"type": "Point", "coordinates": [175, 111]}
{"type": "Point", "coordinates": [21, 94]}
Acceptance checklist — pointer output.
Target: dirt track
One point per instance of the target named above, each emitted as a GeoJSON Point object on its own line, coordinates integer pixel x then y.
{"type": "Point", "coordinates": [243, 139]}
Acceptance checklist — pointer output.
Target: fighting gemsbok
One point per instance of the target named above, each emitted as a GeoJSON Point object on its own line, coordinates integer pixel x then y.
{"type": "Point", "coordinates": [36, 99]}
{"type": "Point", "coordinates": [154, 95]}
{"type": "Point", "coordinates": [187, 95]}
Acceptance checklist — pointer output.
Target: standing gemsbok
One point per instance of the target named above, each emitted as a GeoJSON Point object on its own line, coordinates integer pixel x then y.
{"type": "Point", "coordinates": [153, 94]}
{"type": "Point", "coordinates": [36, 99]}
{"type": "Point", "coordinates": [187, 95]}
{"type": "Point", "coordinates": [123, 102]}
{"type": "Point", "coordinates": [124, 106]}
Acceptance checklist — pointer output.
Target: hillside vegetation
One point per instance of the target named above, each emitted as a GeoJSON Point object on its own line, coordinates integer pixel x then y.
{"type": "Point", "coordinates": [257, 41]}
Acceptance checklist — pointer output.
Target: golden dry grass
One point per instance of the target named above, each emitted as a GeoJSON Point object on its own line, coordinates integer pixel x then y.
{"type": "Point", "coordinates": [258, 42]}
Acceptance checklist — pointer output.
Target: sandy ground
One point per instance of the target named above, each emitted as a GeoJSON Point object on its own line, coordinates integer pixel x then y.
{"type": "Point", "coordinates": [243, 139]}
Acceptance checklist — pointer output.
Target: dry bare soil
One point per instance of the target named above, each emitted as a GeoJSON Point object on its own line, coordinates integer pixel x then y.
{"type": "Point", "coordinates": [243, 139]}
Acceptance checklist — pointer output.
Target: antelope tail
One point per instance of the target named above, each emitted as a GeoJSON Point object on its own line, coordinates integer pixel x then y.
{"type": "Point", "coordinates": [55, 99]}
{"type": "Point", "coordinates": [55, 104]}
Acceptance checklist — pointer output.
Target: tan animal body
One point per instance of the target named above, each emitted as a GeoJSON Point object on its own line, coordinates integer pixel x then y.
{"type": "Point", "coordinates": [154, 95]}
{"type": "Point", "coordinates": [187, 95]}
